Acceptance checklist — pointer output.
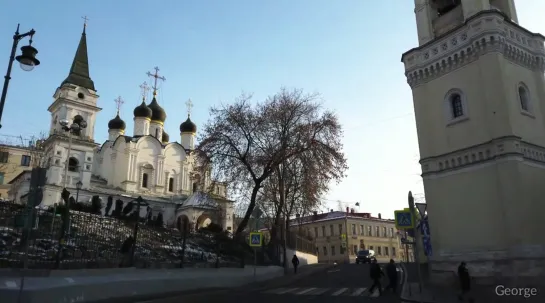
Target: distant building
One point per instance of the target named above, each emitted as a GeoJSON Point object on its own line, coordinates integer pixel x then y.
{"type": "Point", "coordinates": [13, 161]}
{"type": "Point", "coordinates": [360, 231]}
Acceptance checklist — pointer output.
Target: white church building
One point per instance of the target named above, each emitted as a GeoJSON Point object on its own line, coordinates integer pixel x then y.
{"type": "Point", "coordinates": [145, 164]}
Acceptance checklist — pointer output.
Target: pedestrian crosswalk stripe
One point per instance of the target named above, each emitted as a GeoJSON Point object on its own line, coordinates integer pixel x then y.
{"type": "Point", "coordinates": [315, 291]}
{"type": "Point", "coordinates": [306, 290]}
{"type": "Point", "coordinates": [282, 291]}
{"type": "Point", "coordinates": [358, 292]}
{"type": "Point", "coordinates": [340, 291]}
{"type": "Point", "coordinates": [319, 291]}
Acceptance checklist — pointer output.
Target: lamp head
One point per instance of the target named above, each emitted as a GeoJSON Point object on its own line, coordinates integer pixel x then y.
{"type": "Point", "coordinates": [64, 122]}
{"type": "Point", "coordinates": [75, 127]}
{"type": "Point", "coordinates": [79, 185]}
{"type": "Point", "coordinates": [27, 60]}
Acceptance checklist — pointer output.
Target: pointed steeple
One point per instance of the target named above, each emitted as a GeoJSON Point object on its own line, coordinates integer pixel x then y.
{"type": "Point", "coordinates": [79, 72]}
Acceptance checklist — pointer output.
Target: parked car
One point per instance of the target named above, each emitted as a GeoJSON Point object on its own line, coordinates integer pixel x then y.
{"type": "Point", "coordinates": [364, 256]}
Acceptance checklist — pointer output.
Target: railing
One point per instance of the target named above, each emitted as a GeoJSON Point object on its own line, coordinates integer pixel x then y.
{"type": "Point", "coordinates": [301, 243]}
{"type": "Point", "coordinates": [96, 241]}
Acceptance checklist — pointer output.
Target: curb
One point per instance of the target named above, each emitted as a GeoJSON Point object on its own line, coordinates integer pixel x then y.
{"type": "Point", "coordinates": [404, 284]}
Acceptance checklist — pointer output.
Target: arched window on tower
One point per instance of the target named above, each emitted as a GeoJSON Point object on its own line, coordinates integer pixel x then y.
{"type": "Point", "coordinates": [171, 184]}
{"type": "Point", "coordinates": [456, 106]}
{"type": "Point", "coordinates": [145, 180]}
{"type": "Point", "coordinates": [73, 164]}
{"type": "Point", "coordinates": [524, 98]}
{"type": "Point", "coordinates": [194, 187]}
{"type": "Point", "coordinates": [157, 133]}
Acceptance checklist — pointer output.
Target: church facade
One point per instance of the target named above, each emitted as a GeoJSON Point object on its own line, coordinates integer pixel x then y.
{"type": "Point", "coordinates": [477, 79]}
{"type": "Point", "coordinates": [145, 163]}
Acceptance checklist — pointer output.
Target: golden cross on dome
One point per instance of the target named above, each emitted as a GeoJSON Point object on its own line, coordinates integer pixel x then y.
{"type": "Point", "coordinates": [118, 102]}
{"type": "Point", "coordinates": [144, 89]}
{"type": "Point", "coordinates": [189, 105]}
{"type": "Point", "coordinates": [156, 77]}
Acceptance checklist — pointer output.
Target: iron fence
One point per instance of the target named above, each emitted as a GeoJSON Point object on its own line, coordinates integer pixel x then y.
{"type": "Point", "coordinates": [88, 240]}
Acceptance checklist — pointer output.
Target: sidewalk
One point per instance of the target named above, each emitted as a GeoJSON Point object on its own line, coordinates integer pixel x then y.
{"type": "Point", "coordinates": [411, 293]}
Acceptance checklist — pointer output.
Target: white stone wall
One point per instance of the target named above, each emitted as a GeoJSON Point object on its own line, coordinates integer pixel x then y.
{"type": "Point", "coordinates": [156, 130]}
{"type": "Point", "coordinates": [141, 126]}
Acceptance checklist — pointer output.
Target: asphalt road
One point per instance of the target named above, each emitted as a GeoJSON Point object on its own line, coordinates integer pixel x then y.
{"type": "Point", "coordinates": [345, 283]}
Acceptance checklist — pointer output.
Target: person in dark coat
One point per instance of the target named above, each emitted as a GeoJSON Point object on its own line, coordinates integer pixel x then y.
{"type": "Point", "coordinates": [295, 262]}
{"type": "Point", "coordinates": [391, 271]}
{"type": "Point", "coordinates": [464, 277]}
{"type": "Point", "coordinates": [376, 274]}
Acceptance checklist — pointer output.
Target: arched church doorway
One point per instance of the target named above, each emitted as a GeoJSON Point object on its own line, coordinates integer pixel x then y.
{"type": "Point", "coordinates": [203, 221]}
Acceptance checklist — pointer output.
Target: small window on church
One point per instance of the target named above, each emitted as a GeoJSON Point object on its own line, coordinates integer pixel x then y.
{"type": "Point", "coordinates": [524, 99]}
{"type": "Point", "coordinates": [73, 164]}
{"type": "Point", "coordinates": [456, 106]}
{"type": "Point", "coordinates": [145, 180]}
{"type": "Point", "coordinates": [157, 133]}
{"type": "Point", "coordinates": [194, 187]}
{"type": "Point", "coordinates": [171, 184]}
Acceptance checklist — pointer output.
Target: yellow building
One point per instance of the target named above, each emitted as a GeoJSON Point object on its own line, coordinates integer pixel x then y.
{"type": "Point", "coordinates": [13, 161]}
{"type": "Point", "coordinates": [340, 235]}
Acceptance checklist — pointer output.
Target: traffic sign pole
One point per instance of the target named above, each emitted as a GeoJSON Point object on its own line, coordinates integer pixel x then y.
{"type": "Point", "coordinates": [415, 246]}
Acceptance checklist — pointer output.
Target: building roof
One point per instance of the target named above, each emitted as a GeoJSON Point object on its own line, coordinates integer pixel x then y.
{"type": "Point", "coordinates": [336, 215]}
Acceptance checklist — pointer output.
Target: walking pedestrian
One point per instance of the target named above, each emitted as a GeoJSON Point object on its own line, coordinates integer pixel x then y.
{"type": "Point", "coordinates": [391, 271]}
{"type": "Point", "coordinates": [376, 274]}
{"type": "Point", "coordinates": [465, 282]}
{"type": "Point", "coordinates": [295, 262]}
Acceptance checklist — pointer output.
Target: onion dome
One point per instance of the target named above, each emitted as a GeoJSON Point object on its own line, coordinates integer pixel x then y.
{"type": "Point", "coordinates": [142, 111]}
{"type": "Point", "coordinates": [165, 138]}
{"type": "Point", "coordinates": [188, 126]}
{"type": "Point", "coordinates": [157, 112]}
{"type": "Point", "coordinates": [117, 123]}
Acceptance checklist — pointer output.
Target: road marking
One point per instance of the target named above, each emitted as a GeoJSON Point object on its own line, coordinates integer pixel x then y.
{"type": "Point", "coordinates": [304, 291]}
{"type": "Point", "coordinates": [335, 270]}
{"type": "Point", "coordinates": [319, 291]}
{"type": "Point", "coordinates": [340, 291]}
{"type": "Point", "coordinates": [69, 280]}
{"type": "Point", "coordinates": [11, 284]}
{"type": "Point", "coordinates": [282, 291]}
{"type": "Point", "coordinates": [358, 291]}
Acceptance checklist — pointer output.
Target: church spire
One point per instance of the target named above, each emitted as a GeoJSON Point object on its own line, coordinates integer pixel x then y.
{"type": "Point", "coordinates": [79, 72]}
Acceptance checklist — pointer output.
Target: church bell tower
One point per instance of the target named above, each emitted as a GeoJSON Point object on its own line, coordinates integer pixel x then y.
{"type": "Point", "coordinates": [477, 79]}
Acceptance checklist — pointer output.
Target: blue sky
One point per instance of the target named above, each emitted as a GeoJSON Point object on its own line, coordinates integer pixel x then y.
{"type": "Point", "coordinates": [212, 50]}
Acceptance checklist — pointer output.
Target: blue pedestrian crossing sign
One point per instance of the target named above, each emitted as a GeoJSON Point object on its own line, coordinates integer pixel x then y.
{"type": "Point", "coordinates": [404, 219]}
{"type": "Point", "coordinates": [256, 239]}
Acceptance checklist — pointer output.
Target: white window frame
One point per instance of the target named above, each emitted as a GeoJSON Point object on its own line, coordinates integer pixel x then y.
{"type": "Point", "coordinates": [450, 119]}
{"type": "Point", "coordinates": [527, 112]}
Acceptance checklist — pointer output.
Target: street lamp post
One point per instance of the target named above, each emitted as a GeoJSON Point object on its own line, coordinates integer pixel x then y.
{"type": "Point", "coordinates": [27, 60]}
{"type": "Point", "coordinates": [77, 125]}
{"type": "Point", "coordinates": [139, 202]}
{"type": "Point", "coordinates": [78, 188]}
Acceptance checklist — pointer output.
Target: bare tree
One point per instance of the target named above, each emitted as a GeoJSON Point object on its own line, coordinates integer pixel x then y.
{"type": "Point", "coordinates": [247, 143]}
{"type": "Point", "coordinates": [305, 179]}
